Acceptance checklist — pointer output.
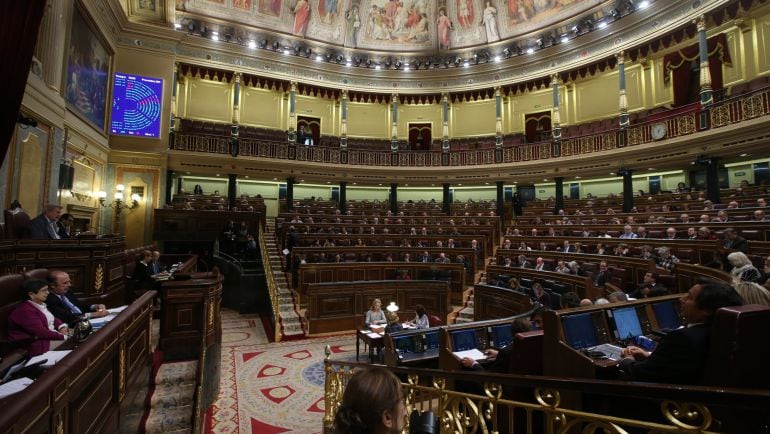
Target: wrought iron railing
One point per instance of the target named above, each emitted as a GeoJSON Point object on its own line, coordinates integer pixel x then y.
{"type": "Point", "coordinates": [726, 112]}
{"type": "Point", "coordinates": [272, 286]}
{"type": "Point", "coordinates": [553, 405]}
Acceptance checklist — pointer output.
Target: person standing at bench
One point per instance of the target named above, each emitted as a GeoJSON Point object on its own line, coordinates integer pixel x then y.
{"type": "Point", "coordinates": [44, 226]}
{"type": "Point", "coordinates": [32, 324]}
{"type": "Point", "coordinates": [64, 305]}
{"type": "Point", "coordinates": [681, 355]}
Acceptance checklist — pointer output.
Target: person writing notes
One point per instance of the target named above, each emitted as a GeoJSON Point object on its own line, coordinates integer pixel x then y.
{"type": "Point", "coordinates": [31, 320]}
{"type": "Point", "coordinates": [420, 320]}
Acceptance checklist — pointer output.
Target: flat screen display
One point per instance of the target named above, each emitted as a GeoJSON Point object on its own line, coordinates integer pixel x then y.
{"type": "Point", "coordinates": [667, 316]}
{"type": "Point", "coordinates": [502, 335]}
{"type": "Point", "coordinates": [404, 344]}
{"type": "Point", "coordinates": [464, 340]}
{"type": "Point", "coordinates": [580, 331]}
{"type": "Point", "coordinates": [626, 323]}
{"type": "Point", "coordinates": [136, 106]}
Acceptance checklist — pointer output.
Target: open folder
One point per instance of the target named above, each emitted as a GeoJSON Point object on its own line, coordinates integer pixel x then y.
{"type": "Point", "coordinates": [474, 354]}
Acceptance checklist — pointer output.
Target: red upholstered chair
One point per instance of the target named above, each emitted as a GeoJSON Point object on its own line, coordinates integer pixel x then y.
{"type": "Point", "coordinates": [16, 225]}
{"type": "Point", "coordinates": [10, 296]}
{"type": "Point", "coordinates": [739, 348]}
{"type": "Point", "coordinates": [434, 321]}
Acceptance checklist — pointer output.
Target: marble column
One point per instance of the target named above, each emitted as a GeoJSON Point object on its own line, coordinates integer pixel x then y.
{"type": "Point", "coordinates": [394, 122]}
{"type": "Point", "coordinates": [290, 193]}
{"type": "Point", "coordinates": [446, 203]}
{"type": "Point", "coordinates": [445, 123]}
{"type": "Point", "coordinates": [234, 129]}
{"type": "Point", "coordinates": [172, 126]}
{"type": "Point", "coordinates": [556, 120]}
{"type": "Point", "coordinates": [344, 121]}
{"type": "Point", "coordinates": [394, 198]}
{"type": "Point", "coordinates": [559, 193]}
{"type": "Point", "coordinates": [50, 47]}
{"type": "Point", "coordinates": [623, 102]}
{"type": "Point", "coordinates": [293, 112]}
{"type": "Point", "coordinates": [706, 93]}
{"type": "Point", "coordinates": [498, 118]}
{"type": "Point", "coordinates": [712, 180]}
{"type": "Point", "coordinates": [500, 199]}
{"type": "Point", "coordinates": [232, 190]}
{"type": "Point", "coordinates": [343, 205]}
{"type": "Point", "coordinates": [628, 190]}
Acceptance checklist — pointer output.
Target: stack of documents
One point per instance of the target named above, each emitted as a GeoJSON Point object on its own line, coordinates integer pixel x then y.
{"type": "Point", "coordinates": [14, 386]}
{"type": "Point", "coordinates": [49, 359]}
{"type": "Point", "coordinates": [474, 354]}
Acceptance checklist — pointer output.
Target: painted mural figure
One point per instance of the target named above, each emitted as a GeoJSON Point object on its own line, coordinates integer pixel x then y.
{"type": "Point", "coordinates": [301, 17]}
{"type": "Point", "coordinates": [378, 28]}
{"type": "Point", "coordinates": [444, 26]}
{"type": "Point", "coordinates": [402, 16]}
{"type": "Point", "coordinates": [489, 22]}
{"type": "Point", "coordinates": [465, 13]}
{"type": "Point", "coordinates": [420, 31]}
{"type": "Point", "coordinates": [354, 23]}
{"type": "Point", "coordinates": [329, 9]}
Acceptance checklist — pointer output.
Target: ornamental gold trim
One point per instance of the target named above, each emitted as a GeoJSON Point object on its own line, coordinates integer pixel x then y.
{"type": "Point", "coordinates": [98, 279]}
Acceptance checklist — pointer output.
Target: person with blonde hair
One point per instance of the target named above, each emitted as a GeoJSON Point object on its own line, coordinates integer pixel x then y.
{"type": "Point", "coordinates": [743, 270]}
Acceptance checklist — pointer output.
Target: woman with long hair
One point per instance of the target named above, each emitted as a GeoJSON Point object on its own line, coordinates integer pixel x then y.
{"type": "Point", "coordinates": [372, 403]}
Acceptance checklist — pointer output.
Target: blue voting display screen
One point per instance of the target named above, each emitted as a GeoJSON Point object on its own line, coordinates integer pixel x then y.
{"type": "Point", "coordinates": [136, 104]}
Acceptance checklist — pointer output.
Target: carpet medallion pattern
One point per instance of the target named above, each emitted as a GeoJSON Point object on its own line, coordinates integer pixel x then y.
{"type": "Point", "coordinates": [274, 388]}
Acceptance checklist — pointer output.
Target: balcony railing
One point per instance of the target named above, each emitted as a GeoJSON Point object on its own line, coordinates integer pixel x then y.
{"type": "Point", "coordinates": [680, 123]}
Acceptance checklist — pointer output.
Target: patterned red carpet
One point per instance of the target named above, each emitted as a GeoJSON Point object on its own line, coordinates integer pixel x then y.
{"type": "Point", "coordinates": [271, 388]}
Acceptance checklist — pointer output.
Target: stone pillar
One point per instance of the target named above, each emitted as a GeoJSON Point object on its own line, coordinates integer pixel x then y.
{"type": "Point", "coordinates": [293, 112]}
{"type": "Point", "coordinates": [559, 193]}
{"type": "Point", "coordinates": [712, 180]}
{"type": "Point", "coordinates": [234, 129]}
{"type": "Point", "coordinates": [394, 122]}
{"type": "Point", "coordinates": [289, 193]}
{"type": "Point", "coordinates": [623, 102]}
{"type": "Point", "coordinates": [50, 47]}
{"type": "Point", "coordinates": [498, 118]}
{"type": "Point", "coordinates": [556, 120]}
{"type": "Point", "coordinates": [445, 125]}
{"type": "Point", "coordinates": [628, 190]}
{"type": "Point", "coordinates": [394, 198]}
{"type": "Point", "coordinates": [172, 126]}
{"type": "Point", "coordinates": [706, 93]}
{"type": "Point", "coordinates": [169, 186]}
{"type": "Point", "coordinates": [343, 205]}
{"type": "Point", "coordinates": [344, 122]}
{"type": "Point", "coordinates": [500, 200]}
{"type": "Point", "coordinates": [232, 190]}
{"type": "Point", "coordinates": [446, 202]}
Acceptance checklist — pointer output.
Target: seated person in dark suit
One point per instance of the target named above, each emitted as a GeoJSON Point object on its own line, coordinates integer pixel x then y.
{"type": "Point", "coordinates": [31, 320]}
{"type": "Point", "coordinates": [65, 229]}
{"type": "Point", "coordinates": [681, 354]}
{"type": "Point", "coordinates": [64, 304]}
{"type": "Point", "coordinates": [142, 274]}
{"type": "Point", "coordinates": [649, 287]}
{"type": "Point", "coordinates": [44, 227]}
{"type": "Point", "coordinates": [602, 276]}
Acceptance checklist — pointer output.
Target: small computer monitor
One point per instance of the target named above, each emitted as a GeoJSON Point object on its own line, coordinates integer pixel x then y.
{"type": "Point", "coordinates": [666, 315]}
{"type": "Point", "coordinates": [463, 340]}
{"type": "Point", "coordinates": [580, 331]}
{"type": "Point", "coordinates": [626, 323]}
{"type": "Point", "coordinates": [404, 344]}
{"type": "Point", "coordinates": [502, 335]}
{"type": "Point", "coordinates": [431, 340]}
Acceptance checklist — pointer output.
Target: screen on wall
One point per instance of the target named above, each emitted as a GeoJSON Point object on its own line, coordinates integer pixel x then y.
{"type": "Point", "coordinates": [136, 103]}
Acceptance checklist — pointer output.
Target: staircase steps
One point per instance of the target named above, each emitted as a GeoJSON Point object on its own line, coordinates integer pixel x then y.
{"type": "Point", "coordinates": [291, 323]}
{"type": "Point", "coordinates": [171, 403]}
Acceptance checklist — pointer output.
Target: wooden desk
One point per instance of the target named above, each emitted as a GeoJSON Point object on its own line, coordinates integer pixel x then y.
{"type": "Point", "coordinates": [91, 389]}
{"type": "Point", "coordinates": [371, 341]}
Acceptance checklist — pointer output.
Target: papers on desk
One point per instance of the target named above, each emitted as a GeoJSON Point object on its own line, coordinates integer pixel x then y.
{"type": "Point", "coordinates": [373, 334]}
{"type": "Point", "coordinates": [474, 354]}
{"type": "Point", "coordinates": [116, 310]}
{"type": "Point", "coordinates": [101, 321]}
{"type": "Point", "coordinates": [14, 386]}
{"type": "Point", "coordinates": [49, 359]}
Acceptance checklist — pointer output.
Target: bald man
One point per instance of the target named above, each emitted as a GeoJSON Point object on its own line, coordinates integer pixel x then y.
{"type": "Point", "coordinates": [64, 305]}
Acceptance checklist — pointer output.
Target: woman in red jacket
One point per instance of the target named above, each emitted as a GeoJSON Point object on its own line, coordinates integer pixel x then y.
{"type": "Point", "coordinates": [31, 321]}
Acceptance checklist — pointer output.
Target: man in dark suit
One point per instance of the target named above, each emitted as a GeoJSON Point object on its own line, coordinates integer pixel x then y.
{"type": "Point", "coordinates": [603, 275]}
{"type": "Point", "coordinates": [65, 305]}
{"type": "Point", "coordinates": [681, 354]}
{"type": "Point", "coordinates": [649, 287]}
{"type": "Point", "coordinates": [425, 258]}
{"type": "Point", "coordinates": [733, 241]}
{"type": "Point", "coordinates": [155, 267]}
{"type": "Point", "coordinates": [44, 226]}
{"type": "Point", "coordinates": [142, 276]}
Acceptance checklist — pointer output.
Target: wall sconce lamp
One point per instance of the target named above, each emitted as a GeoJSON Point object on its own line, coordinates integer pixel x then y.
{"type": "Point", "coordinates": [118, 204]}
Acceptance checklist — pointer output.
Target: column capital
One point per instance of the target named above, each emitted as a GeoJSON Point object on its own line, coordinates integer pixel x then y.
{"type": "Point", "coordinates": [394, 97]}
{"type": "Point", "coordinates": [344, 94]}
{"type": "Point", "coordinates": [554, 79]}
{"type": "Point", "coordinates": [444, 96]}
{"type": "Point", "coordinates": [621, 57]}
{"type": "Point", "coordinates": [238, 76]}
{"type": "Point", "coordinates": [700, 22]}
{"type": "Point", "coordinates": [293, 86]}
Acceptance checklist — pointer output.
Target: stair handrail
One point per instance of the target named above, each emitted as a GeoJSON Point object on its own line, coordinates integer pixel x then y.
{"type": "Point", "coordinates": [272, 287]}
{"type": "Point", "coordinates": [235, 261]}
